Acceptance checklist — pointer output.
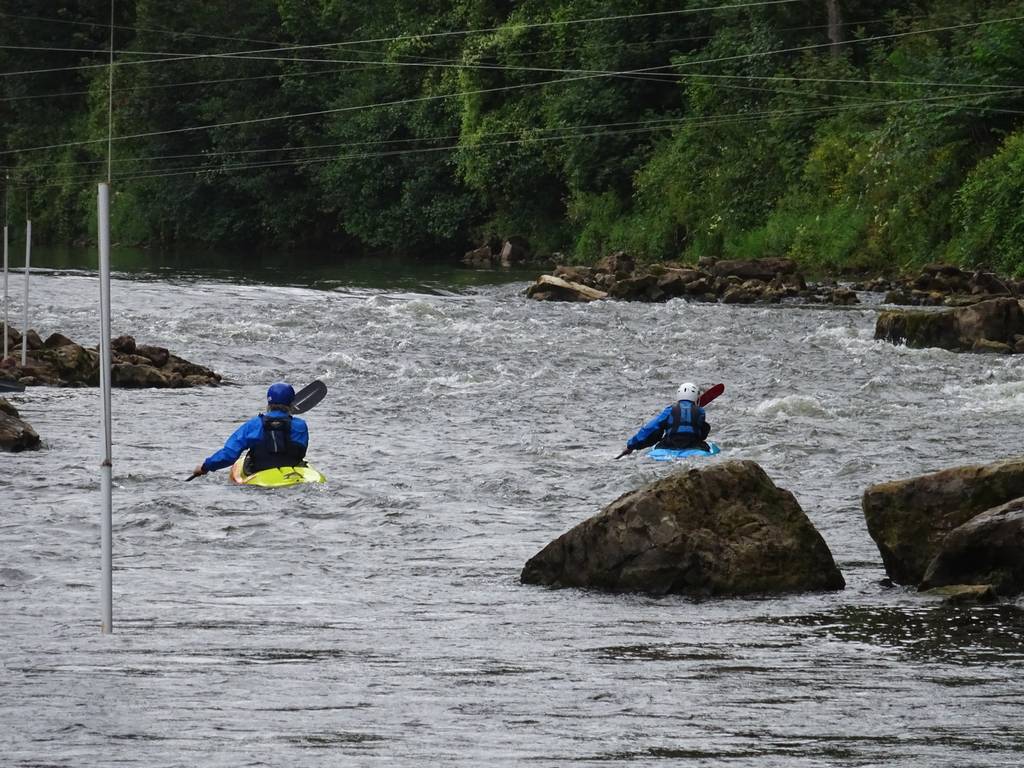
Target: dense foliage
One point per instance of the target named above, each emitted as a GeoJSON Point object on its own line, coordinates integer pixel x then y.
{"type": "Point", "coordinates": [844, 133]}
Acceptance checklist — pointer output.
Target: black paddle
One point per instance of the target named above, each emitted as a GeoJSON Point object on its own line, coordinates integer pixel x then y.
{"type": "Point", "coordinates": [305, 398]}
{"type": "Point", "coordinates": [705, 397]}
{"type": "Point", "coordinates": [311, 394]}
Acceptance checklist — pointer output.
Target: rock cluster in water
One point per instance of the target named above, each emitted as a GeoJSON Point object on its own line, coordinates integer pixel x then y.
{"type": "Point", "coordinates": [15, 434]}
{"type": "Point", "coordinates": [58, 361]}
{"type": "Point", "coordinates": [945, 285]}
{"type": "Point", "coordinates": [722, 530]}
{"type": "Point", "coordinates": [730, 281]}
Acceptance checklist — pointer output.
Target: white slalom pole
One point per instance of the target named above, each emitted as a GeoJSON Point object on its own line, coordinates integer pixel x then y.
{"type": "Point", "coordinates": [7, 203]}
{"type": "Point", "coordinates": [107, 584]}
{"type": "Point", "coordinates": [24, 323]}
{"type": "Point", "coordinates": [5, 292]}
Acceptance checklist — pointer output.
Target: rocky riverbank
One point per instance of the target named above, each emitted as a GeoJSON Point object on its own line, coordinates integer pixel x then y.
{"type": "Point", "coordinates": [761, 281]}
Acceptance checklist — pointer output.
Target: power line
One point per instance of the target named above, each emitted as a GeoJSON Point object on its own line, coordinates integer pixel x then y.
{"type": "Point", "coordinates": [397, 102]}
{"type": "Point", "coordinates": [309, 148]}
{"type": "Point", "coordinates": [133, 29]}
{"type": "Point", "coordinates": [454, 63]}
{"type": "Point", "coordinates": [507, 27]}
{"type": "Point", "coordinates": [694, 121]}
{"type": "Point", "coordinates": [133, 52]}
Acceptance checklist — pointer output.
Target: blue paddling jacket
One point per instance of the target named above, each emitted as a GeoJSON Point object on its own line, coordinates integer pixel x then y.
{"type": "Point", "coordinates": [681, 421]}
{"type": "Point", "coordinates": [273, 439]}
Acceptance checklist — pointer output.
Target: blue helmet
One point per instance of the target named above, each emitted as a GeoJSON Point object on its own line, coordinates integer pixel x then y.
{"type": "Point", "coordinates": [280, 394]}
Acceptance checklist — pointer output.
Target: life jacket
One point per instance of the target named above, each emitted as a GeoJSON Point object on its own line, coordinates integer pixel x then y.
{"type": "Point", "coordinates": [684, 421]}
{"type": "Point", "coordinates": [276, 448]}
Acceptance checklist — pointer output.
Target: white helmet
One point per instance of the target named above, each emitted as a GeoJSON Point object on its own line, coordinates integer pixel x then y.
{"type": "Point", "coordinates": [688, 391]}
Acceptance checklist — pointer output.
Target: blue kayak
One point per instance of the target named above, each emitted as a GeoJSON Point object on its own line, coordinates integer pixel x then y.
{"type": "Point", "coordinates": [671, 454]}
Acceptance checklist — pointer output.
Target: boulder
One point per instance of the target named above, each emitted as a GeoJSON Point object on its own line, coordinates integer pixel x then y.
{"type": "Point", "coordinates": [843, 297]}
{"type": "Point", "coordinates": [68, 363]}
{"type": "Point", "coordinates": [748, 292]}
{"type": "Point", "coordinates": [674, 282]}
{"type": "Point", "coordinates": [132, 376]}
{"type": "Point", "coordinates": [725, 529]}
{"type": "Point", "coordinates": [986, 550]}
{"type": "Point", "coordinates": [35, 341]}
{"type": "Point", "coordinates": [575, 274]}
{"type": "Point", "coordinates": [13, 339]}
{"type": "Point", "coordinates": [15, 434]}
{"type": "Point", "coordinates": [123, 344]}
{"type": "Point", "coordinates": [514, 251]}
{"type": "Point", "coordinates": [638, 288]}
{"type": "Point", "coordinates": [972, 328]}
{"type": "Point", "coordinates": [158, 356]}
{"type": "Point", "coordinates": [917, 328]}
{"type": "Point", "coordinates": [993, 320]}
{"type": "Point", "coordinates": [620, 264]}
{"type": "Point", "coordinates": [479, 258]}
{"type": "Point", "coordinates": [55, 340]}
{"type": "Point", "coordinates": [910, 519]}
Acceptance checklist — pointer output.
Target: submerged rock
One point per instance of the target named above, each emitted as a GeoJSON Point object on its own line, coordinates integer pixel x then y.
{"type": "Point", "coordinates": [959, 594]}
{"type": "Point", "coordinates": [721, 530]}
{"type": "Point", "coordinates": [15, 435]}
{"type": "Point", "coordinates": [910, 519]}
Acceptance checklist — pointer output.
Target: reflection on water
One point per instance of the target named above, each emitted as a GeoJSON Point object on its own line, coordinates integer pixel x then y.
{"type": "Point", "coordinates": [962, 634]}
{"type": "Point", "coordinates": [322, 270]}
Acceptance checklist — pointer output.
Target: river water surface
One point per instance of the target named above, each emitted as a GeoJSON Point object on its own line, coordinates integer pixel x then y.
{"type": "Point", "coordinates": [379, 619]}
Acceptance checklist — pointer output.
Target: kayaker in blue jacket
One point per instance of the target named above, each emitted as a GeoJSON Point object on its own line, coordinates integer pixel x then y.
{"type": "Point", "coordinates": [273, 439]}
{"type": "Point", "coordinates": [680, 425]}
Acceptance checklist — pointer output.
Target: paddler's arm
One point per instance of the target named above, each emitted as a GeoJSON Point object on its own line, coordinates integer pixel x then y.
{"type": "Point", "coordinates": [651, 432]}
{"type": "Point", "coordinates": [241, 439]}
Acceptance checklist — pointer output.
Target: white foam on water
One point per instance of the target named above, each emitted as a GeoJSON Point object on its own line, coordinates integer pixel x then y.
{"type": "Point", "coordinates": [792, 405]}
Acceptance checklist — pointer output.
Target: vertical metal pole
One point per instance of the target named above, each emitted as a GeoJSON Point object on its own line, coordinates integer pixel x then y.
{"type": "Point", "coordinates": [7, 203]}
{"type": "Point", "coordinates": [107, 584]}
{"type": "Point", "coordinates": [24, 323]}
{"type": "Point", "coordinates": [5, 292]}
{"type": "Point", "coordinates": [107, 467]}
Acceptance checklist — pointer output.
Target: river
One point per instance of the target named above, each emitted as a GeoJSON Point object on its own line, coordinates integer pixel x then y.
{"type": "Point", "coordinates": [379, 619]}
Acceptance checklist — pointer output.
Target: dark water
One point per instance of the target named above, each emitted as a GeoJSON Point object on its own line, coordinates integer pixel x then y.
{"type": "Point", "coordinates": [378, 620]}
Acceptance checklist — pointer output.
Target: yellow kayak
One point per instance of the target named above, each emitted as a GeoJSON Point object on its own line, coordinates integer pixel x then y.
{"type": "Point", "coordinates": [278, 477]}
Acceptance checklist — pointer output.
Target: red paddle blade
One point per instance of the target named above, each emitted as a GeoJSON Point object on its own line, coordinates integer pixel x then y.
{"type": "Point", "coordinates": [711, 393]}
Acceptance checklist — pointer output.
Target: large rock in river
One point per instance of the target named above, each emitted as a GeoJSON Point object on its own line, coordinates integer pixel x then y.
{"type": "Point", "coordinates": [722, 530]}
{"type": "Point", "coordinates": [988, 326]}
{"type": "Point", "coordinates": [986, 550]}
{"type": "Point", "coordinates": [15, 434]}
{"type": "Point", "coordinates": [910, 519]}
